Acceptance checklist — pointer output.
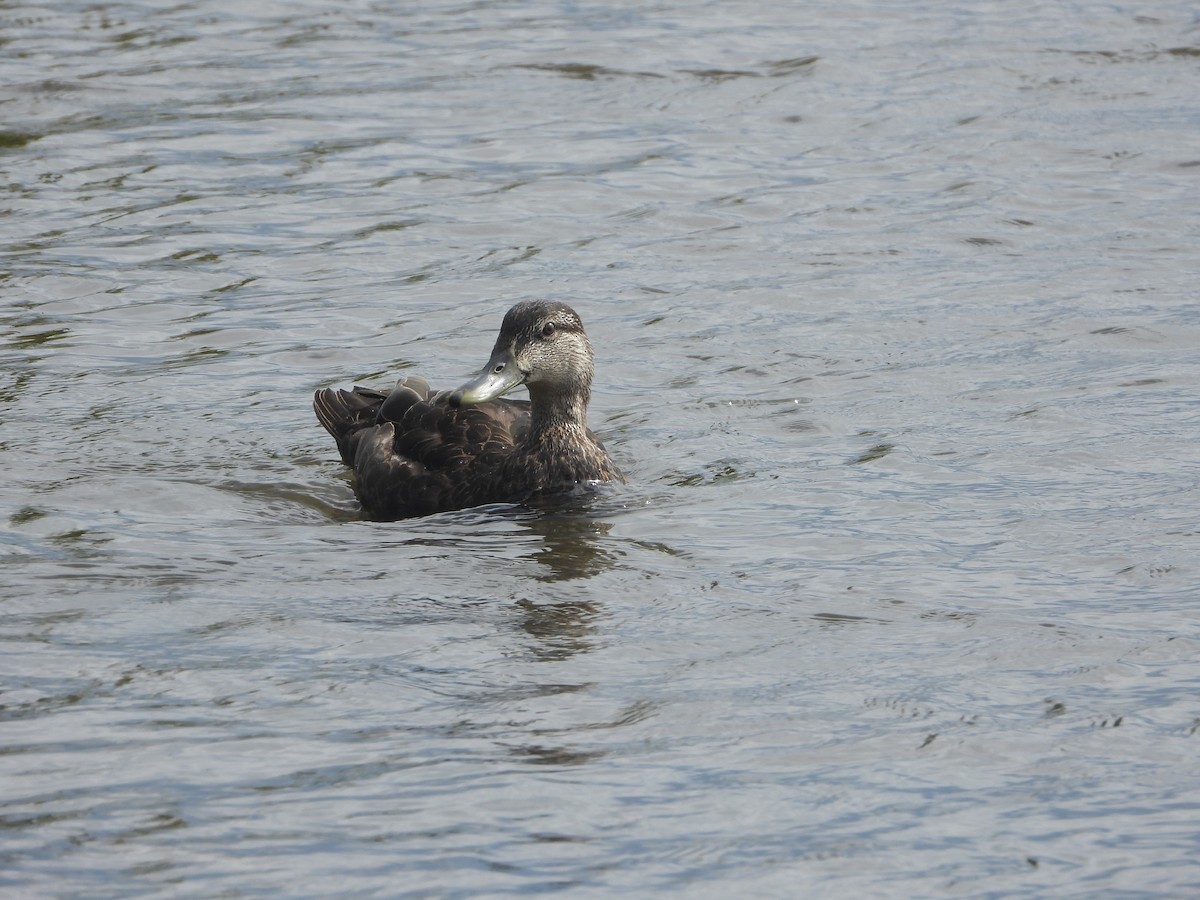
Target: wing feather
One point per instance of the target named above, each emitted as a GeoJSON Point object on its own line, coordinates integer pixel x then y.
{"type": "Point", "coordinates": [412, 453]}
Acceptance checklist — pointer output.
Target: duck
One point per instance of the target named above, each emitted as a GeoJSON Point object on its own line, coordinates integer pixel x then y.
{"type": "Point", "coordinates": [416, 451]}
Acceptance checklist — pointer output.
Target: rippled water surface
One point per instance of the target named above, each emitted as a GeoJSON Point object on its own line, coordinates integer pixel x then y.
{"type": "Point", "coordinates": [896, 315]}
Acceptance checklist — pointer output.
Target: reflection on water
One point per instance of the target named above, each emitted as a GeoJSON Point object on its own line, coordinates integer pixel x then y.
{"type": "Point", "coordinates": [567, 545]}
{"type": "Point", "coordinates": [570, 545]}
{"type": "Point", "coordinates": [561, 629]}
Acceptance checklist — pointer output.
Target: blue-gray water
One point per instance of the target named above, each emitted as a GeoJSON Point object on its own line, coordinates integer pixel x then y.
{"type": "Point", "coordinates": [897, 319]}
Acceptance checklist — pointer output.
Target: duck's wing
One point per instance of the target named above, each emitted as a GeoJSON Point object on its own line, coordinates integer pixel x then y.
{"type": "Point", "coordinates": [439, 437]}
{"type": "Point", "coordinates": [437, 457]}
{"type": "Point", "coordinates": [413, 454]}
{"type": "Point", "coordinates": [344, 414]}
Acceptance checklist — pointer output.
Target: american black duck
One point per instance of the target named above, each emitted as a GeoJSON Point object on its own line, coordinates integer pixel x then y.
{"type": "Point", "coordinates": [417, 451]}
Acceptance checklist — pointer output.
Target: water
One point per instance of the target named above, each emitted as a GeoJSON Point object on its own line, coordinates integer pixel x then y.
{"type": "Point", "coordinates": [895, 314]}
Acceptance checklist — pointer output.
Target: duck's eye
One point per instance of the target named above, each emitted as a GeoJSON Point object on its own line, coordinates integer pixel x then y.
{"type": "Point", "coordinates": [548, 329]}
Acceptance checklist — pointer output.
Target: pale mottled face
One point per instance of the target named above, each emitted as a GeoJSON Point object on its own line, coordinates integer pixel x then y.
{"type": "Point", "coordinates": [541, 345]}
{"type": "Point", "coordinates": [548, 343]}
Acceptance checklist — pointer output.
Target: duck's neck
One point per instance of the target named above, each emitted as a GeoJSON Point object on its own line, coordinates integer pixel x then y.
{"type": "Point", "coordinates": [558, 449]}
{"type": "Point", "coordinates": [555, 413]}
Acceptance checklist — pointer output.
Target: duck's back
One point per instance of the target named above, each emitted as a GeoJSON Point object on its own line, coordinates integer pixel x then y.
{"type": "Point", "coordinates": [413, 454]}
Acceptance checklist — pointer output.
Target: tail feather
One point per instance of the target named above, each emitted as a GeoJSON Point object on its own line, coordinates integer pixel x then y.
{"type": "Point", "coordinates": [345, 413]}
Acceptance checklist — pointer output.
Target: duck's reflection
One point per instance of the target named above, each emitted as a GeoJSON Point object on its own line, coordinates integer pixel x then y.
{"type": "Point", "coordinates": [566, 544]}
{"type": "Point", "coordinates": [560, 629]}
{"type": "Point", "coordinates": [542, 755]}
{"type": "Point", "coordinates": [570, 546]}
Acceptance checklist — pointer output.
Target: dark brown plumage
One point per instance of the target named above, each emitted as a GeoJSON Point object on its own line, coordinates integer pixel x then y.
{"type": "Point", "coordinates": [417, 451]}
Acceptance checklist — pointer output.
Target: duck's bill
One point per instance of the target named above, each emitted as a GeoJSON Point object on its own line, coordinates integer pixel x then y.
{"type": "Point", "coordinates": [499, 376]}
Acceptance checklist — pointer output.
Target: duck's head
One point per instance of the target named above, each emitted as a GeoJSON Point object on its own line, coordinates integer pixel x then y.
{"type": "Point", "coordinates": [541, 345]}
